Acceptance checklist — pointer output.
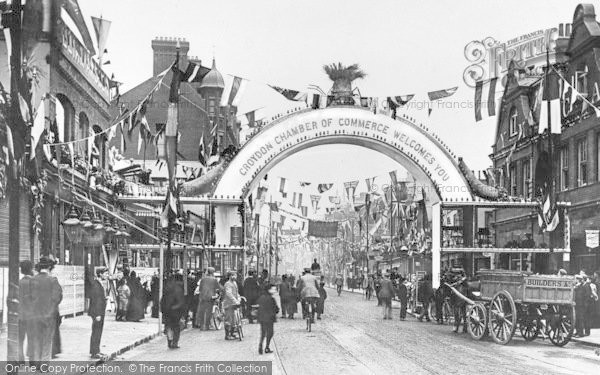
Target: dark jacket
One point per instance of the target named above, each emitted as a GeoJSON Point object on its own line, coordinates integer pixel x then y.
{"type": "Point", "coordinates": [387, 289]}
{"type": "Point", "coordinates": [285, 291]}
{"type": "Point", "coordinates": [209, 286]}
{"type": "Point", "coordinates": [425, 292]}
{"type": "Point", "coordinates": [402, 291]}
{"type": "Point", "coordinates": [97, 300]}
{"type": "Point", "coordinates": [267, 308]}
{"type": "Point", "coordinates": [251, 290]}
{"type": "Point", "coordinates": [47, 294]}
{"type": "Point", "coordinates": [583, 295]}
{"type": "Point", "coordinates": [137, 300]}
{"type": "Point", "coordinates": [26, 308]}
{"type": "Point", "coordinates": [173, 302]}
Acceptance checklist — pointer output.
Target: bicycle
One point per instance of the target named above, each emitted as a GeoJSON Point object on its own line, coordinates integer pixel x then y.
{"type": "Point", "coordinates": [217, 313]}
{"type": "Point", "coordinates": [309, 314]}
{"type": "Point", "coordinates": [237, 321]}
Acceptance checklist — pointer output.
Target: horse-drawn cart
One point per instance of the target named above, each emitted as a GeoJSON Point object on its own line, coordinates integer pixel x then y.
{"type": "Point", "coordinates": [536, 304]}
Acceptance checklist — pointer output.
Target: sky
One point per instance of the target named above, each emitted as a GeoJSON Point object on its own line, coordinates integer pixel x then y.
{"type": "Point", "coordinates": [405, 47]}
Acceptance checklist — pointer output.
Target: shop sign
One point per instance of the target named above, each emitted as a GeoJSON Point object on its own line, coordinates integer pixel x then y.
{"type": "Point", "coordinates": [378, 258]}
{"type": "Point", "coordinates": [592, 238]}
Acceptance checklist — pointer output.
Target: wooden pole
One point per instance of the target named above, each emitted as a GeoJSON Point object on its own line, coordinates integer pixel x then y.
{"type": "Point", "coordinates": [161, 273]}
{"type": "Point", "coordinates": [14, 209]}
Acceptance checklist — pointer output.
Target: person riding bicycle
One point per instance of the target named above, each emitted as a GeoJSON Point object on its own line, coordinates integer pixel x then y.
{"type": "Point", "coordinates": [339, 282]}
{"type": "Point", "coordinates": [231, 301]}
{"type": "Point", "coordinates": [309, 293]}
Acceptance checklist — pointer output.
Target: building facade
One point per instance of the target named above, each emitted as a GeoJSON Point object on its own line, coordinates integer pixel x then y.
{"type": "Point", "coordinates": [522, 157]}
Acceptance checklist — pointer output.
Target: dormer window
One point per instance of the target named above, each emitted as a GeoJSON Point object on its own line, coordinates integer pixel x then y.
{"type": "Point", "coordinates": [512, 122]}
{"type": "Point", "coordinates": [581, 79]}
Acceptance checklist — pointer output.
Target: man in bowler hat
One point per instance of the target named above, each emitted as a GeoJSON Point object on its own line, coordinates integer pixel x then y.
{"type": "Point", "coordinates": [97, 310]}
{"type": "Point", "coordinates": [46, 294]}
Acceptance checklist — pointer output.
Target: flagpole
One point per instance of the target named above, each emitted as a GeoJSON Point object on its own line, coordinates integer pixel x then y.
{"type": "Point", "coordinates": [270, 236]}
{"type": "Point", "coordinates": [13, 188]}
{"type": "Point", "coordinates": [549, 129]}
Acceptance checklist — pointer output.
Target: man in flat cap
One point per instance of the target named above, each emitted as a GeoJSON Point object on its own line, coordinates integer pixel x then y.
{"type": "Point", "coordinates": [208, 287]}
{"type": "Point", "coordinates": [46, 295]}
{"type": "Point", "coordinates": [231, 301]}
{"type": "Point", "coordinates": [97, 310]}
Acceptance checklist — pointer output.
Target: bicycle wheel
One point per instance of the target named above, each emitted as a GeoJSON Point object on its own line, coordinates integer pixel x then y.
{"type": "Point", "coordinates": [217, 318]}
{"type": "Point", "coordinates": [239, 325]}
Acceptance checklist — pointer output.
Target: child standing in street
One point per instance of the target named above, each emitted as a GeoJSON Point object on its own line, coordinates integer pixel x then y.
{"type": "Point", "coordinates": [267, 315]}
{"type": "Point", "coordinates": [321, 300]}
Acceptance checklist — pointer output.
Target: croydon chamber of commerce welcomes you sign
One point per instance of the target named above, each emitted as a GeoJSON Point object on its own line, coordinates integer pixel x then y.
{"type": "Point", "coordinates": [323, 229]}
{"type": "Point", "coordinates": [397, 135]}
{"type": "Point", "coordinates": [402, 140]}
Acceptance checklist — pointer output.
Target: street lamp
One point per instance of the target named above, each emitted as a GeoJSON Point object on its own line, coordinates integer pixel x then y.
{"type": "Point", "coordinates": [109, 231]}
{"type": "Point", "coordinates": [72, 226]}
{"type": "Point", "coordinates": [86, 226]}
{"type": "Point", "coordinates": [97, 230]}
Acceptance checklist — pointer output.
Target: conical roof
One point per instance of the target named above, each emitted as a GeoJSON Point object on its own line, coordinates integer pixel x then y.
{"type": "Point", "coordinates": [213, 79]}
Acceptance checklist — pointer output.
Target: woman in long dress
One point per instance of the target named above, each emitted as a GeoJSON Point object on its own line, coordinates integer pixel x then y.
{"type": "Point", "coordinates": [135, 309]}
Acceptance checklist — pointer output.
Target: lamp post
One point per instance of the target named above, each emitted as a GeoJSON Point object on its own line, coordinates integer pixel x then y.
{"type": "Point", "coordinates": [72, 226]}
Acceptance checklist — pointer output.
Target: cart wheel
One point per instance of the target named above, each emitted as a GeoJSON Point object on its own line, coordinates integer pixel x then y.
{"type": "Point", "coordinates": [530, 329]}
{"type": "Point", "coordinates": [560, 324]}
{"type": "Point", "coordinates": [502, 317]}
{"type": "Point", "coordinates": [477, 321]}
{"type": "Point", "coordinates": [530, 325]}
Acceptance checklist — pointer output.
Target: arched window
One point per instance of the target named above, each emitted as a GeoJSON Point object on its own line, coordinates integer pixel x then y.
{"type": "Point", "coordinates": [512, 121]}
{"type": "Point", "coordinates": [99, 154]}
{"type": "Point", "coordinates": [65, 118]}
{"type": "Point", "coordinates": [84, 131]}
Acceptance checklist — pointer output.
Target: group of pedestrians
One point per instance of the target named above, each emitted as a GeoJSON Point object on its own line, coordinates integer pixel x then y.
{"type": "Point", "coordinates": [132, 297]}
{"type": "Point", "coordinates": [587, 305]}
{"type": "Point", "coordinates": [39, 317]}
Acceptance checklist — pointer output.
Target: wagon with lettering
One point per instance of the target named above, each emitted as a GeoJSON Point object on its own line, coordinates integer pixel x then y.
{"type": "Point", "coordinates": [538, 305]}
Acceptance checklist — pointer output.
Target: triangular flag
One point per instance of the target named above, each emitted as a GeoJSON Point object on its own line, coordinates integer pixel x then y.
{"type": "Point", "coordinates": [39, 124]}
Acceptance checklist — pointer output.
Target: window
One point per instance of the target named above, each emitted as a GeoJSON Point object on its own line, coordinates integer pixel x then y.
{"type": "Point", "coordinates": [527, 179]}
{"type": "Point", "coordinates": [564, 168]}
{"type": "Point", "coordinates": [513, 181]}
{"type": "Point", "coordinates": [84, 132]}
{"type": "Point", "coordinates": [581, 80]}
{"type": "Point", "coordinates": [582, 162]}
{"type": "Point", "coordinates": [512, 121]}
{"type": "Point", "coordinates": [211, 106]}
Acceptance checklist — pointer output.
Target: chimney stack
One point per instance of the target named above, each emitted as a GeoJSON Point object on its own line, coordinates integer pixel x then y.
{"type": "Point", "coordinates": [165, 50]}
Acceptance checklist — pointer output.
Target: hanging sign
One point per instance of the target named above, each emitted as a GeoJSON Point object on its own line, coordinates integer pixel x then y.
{"type": "Point", "coordinates": [592, 238]}
{"type": "Point", "coordinates": [322, 229]}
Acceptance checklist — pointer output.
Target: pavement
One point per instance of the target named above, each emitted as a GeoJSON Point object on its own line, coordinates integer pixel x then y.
{"type": "Point", "coordinates": [198, 346]}
{"type": "Point", "coordinates": [592, 340]}
{"type": "Point", "coordinates": [117, 337]}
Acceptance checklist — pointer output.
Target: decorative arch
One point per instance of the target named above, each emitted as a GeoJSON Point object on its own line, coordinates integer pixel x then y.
{"type": "Point", "coordinates": [421, 152]}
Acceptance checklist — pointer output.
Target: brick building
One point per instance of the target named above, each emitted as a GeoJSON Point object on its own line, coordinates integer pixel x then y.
{"type": "Point", "coordinates": [575, 157]}
{"type": "Point", "coordinates": [199, 106]}
{"type": "Point", "coordinates": [78, 102]}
